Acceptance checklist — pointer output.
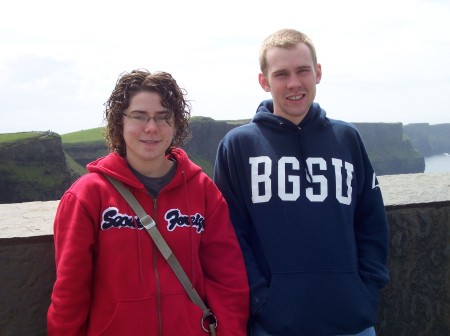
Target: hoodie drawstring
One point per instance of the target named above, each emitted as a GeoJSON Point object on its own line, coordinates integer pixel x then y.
{"type": "Point", "coordinates": [138, 240]}
{"type": "Point", "coordinates": [309, 178]}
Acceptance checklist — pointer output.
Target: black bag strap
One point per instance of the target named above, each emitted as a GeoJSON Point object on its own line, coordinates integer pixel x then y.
{"type": "Point", "coordinates": [149, 224]}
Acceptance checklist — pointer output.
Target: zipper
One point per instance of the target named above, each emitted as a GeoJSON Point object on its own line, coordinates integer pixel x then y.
{"type": "Point", "coordinates": [158, 282]}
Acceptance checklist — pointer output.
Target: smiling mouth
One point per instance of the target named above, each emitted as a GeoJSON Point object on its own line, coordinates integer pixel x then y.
{"type": "Point", "coordinates": [296, 98]}
{"type": "Point", "coordinates": [150, 141]}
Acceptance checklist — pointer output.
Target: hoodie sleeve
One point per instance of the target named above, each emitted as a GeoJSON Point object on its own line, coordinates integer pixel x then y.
{"type": "Point", "coordinates": [371, 230]}
{"type": "Point", "coordinates": [226, 171]}
{"type": "Point", "coordinates": [226, 285]}
{"type": "Point", "coordinates": [74, 244]}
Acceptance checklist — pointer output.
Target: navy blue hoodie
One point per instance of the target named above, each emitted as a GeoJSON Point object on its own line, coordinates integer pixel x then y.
{"type": "Point", "coordinates": [309, 215]}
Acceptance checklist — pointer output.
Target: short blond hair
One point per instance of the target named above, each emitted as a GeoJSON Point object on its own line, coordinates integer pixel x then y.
{"type": "Point", "coordinates": [287, 39]}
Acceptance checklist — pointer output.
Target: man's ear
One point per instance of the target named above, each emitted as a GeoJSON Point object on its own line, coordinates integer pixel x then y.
{"type": "Point", "coordinates": [264, 82]}
{"type": "Point", "coordinates": [318, 73]}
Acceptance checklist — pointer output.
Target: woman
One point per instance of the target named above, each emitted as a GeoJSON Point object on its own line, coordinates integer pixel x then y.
{"type": "Point", "coordinates": [111, 278]}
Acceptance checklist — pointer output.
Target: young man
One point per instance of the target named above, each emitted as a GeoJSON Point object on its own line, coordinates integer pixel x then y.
{"type": "Point", "coordinates": [305, 204]}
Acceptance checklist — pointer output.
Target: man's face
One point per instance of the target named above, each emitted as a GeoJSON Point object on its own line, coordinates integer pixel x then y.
{"type": "Point", "coordinates": [291, 79]}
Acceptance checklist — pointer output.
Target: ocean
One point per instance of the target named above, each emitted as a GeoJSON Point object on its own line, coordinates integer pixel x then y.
{"type": "Point", "coordinates": [438, 163]}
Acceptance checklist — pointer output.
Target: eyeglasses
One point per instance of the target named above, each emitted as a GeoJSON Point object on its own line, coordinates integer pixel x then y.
{"type": "Point", "coordinates": [143, 118]}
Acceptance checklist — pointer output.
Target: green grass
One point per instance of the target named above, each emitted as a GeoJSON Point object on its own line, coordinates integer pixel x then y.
{"type": "Point", "coordinates": [34, 173]}
{"type": "Point", "coordinates": [90, 135]}
{"type": "Point", "coordinates": [6, 137]}
{"type": "Point", "coordinates": [74, 166]}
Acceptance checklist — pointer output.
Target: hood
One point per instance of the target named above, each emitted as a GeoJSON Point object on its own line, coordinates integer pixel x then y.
{"type": "Point", "coordinates": [315, 119]}
{"type": "Point", "coordinates": [116, 166]}
{"type": "Point", "coordinates": [186, 169]}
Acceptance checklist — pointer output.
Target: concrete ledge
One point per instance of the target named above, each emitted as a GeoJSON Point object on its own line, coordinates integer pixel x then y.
{"type": "Point", "coordinates": [408, 189]}
{"type": "Point", "coordinates": [32, 219]}
{"type": "Point", "coordinates": [29, 219]}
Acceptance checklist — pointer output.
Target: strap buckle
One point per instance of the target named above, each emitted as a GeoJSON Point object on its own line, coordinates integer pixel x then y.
{"type": "Point", "coordinates": [147, 222]}
{"type": "Point", "coordinates": [211, 322]}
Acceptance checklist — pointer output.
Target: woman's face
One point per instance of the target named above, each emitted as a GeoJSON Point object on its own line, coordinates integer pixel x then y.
{"type": "Point", "coordinates": [148, 130]}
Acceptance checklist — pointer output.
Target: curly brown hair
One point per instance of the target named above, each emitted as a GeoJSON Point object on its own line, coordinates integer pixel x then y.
{"type": "Point", "coordinates": [128, 85]}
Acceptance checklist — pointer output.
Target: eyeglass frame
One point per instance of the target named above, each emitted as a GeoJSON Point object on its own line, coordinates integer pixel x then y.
{"type": "Point", "coordinates": [162, 119]}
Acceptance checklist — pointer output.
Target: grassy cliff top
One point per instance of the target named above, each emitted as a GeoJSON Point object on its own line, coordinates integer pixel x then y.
{"type": "Point", "coordinates": [93, 134]}
{"type": "Point", "coordinates": [6, 137]}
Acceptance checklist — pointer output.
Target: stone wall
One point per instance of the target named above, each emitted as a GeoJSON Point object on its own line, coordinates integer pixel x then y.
{"type": "Point", "coordinates": [417, 299]}
{"type": "Point", "coordinates": [415, 302]}
{"type": "Point", "coordinates": [27, 266]}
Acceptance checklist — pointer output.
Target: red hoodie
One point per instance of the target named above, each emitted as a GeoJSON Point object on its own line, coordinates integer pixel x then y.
{"type": "Point", "coordinates": [112, 280]}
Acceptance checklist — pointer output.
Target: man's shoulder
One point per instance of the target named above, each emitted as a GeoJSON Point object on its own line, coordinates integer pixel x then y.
{"type": "Point", "coordinates": [343, 125]}
{"type": "Point", "coordinates": [238, 133]}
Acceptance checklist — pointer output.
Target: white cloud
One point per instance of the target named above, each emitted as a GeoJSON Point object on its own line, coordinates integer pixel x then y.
{"type": "Point", "coordinates": [384, 61]}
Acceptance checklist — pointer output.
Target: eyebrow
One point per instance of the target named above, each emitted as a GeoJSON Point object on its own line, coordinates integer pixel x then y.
{"type": "Point", "coordinates": [301, 67]}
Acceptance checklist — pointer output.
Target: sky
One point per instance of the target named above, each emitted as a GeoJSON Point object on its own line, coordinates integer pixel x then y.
{"type": "Point", "coordinates": [384, 61]}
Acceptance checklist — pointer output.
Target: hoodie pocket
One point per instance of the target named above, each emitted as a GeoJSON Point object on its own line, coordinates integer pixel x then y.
{"type": "Point", "coordinates": [132, 317]}
{"type": "Point", "coordinates": [317, 303]}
